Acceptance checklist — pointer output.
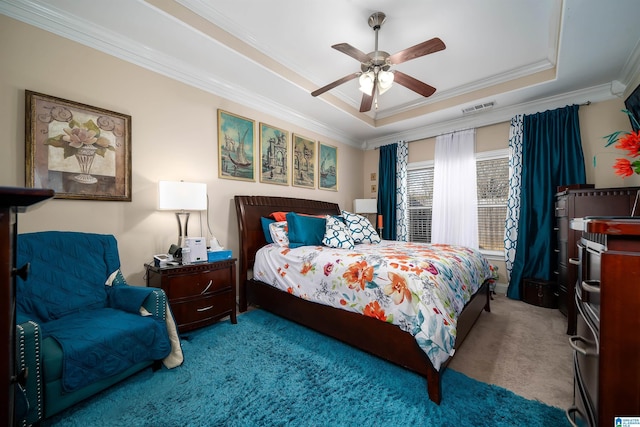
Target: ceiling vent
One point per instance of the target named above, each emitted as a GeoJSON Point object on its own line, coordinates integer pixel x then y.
{"type": "Point", "coordinates": [478, 108]}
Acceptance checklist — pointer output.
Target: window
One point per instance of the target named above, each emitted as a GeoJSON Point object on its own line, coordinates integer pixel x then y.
{"type": "Point", "coordinates": [420, 197]}
{"type": "Point", "coordinates": [493, 190]}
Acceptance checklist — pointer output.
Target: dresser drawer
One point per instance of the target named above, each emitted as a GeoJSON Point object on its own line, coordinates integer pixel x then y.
{"type": "Point", "coordinates": [188, 285]}
{"type": "Point", "coordinates": [193, 313]}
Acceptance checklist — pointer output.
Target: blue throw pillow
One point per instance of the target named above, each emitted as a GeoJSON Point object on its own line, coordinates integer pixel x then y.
{"type": "Point", "coordinates": [265, 228]}
{"type": "Point", "coordinates": [305, 230]}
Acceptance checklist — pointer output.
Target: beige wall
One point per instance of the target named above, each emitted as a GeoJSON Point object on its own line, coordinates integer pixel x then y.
{"type": "Point", "coordinates": [174, 137]}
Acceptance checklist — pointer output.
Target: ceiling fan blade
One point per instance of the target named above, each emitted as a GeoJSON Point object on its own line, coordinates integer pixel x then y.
{"type": "Point", "coordinates": [421, 49]}
{"type": "Point", "coordinates": [367, 101]}
{"type": "Point", "coordinates": [346, 48]}
{"type": "Point", "coordinates": [334, 84]}
{"type": "Point", "coordinates": [413, 84]}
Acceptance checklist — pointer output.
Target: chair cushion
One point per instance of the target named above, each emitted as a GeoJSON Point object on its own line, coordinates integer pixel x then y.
{"type": "Point", "coordinates": [100, 343]}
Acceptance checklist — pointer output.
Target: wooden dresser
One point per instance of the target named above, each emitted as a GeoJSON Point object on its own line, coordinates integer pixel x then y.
{"type": "Point", "coordinates": [578, 203]}
{"type": "Point", "coordinates": [606, 346]}
{"type": "Point", "coordinates": [12, 201]}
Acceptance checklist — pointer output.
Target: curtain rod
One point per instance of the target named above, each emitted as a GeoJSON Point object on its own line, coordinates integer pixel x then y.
{"type": "Point", "coordinates": [584, 104]}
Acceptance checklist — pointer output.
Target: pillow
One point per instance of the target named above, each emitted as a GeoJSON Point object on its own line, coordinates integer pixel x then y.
{"type": "Point", "coordinates": [305, 230]}
{"type": "Point", "coordinates": [360, 228]}
{"type": "Point", "coordinates": [265, 228]}
{"type": "Point", "coordinates": [278, 232]}
{"type": "Point", "coordinates": [279, 216]}
{"type": "Point", "coordinates": [336, 234]}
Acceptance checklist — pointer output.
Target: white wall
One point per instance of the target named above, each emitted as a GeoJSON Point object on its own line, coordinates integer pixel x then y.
{"type": "Point", "coordinates": [174, 137]}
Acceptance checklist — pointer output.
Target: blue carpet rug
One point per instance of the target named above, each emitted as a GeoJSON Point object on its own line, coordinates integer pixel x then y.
{"type": "Point", "coordinates": [267, 371]}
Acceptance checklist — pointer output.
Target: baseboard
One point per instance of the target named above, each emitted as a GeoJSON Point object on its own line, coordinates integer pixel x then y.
{"type": "Point", "coordinates": [501, 288]}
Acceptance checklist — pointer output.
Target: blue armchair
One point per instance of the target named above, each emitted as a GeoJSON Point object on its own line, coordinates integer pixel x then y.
{"type": "Point", "coordinates": [80, 328]}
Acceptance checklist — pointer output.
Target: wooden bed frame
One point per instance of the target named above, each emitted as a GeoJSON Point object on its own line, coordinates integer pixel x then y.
{"type": "Point", "coordinates": [366, 333]}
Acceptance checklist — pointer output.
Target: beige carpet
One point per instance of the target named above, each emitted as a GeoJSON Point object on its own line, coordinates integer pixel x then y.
{"type": "Point", "coordinates": [522, 348]}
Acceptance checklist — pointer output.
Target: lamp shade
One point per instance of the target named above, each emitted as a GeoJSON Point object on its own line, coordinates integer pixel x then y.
{"type": "Point", "coordinates": [385, 80]}
{"type": "Point", "coordinates": [366, 81]}
{"type": "Point", "coordinates": [182, 196]}
{"type": "Point", "coordinates": [365, 206]}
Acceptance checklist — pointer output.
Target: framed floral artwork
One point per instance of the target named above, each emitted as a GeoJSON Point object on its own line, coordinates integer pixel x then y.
{"type": "Point", "coordinates": [236, 156]}
{"type": "Point", "coordinates": [77, 150]}
{"type": "Point", "coordinates": [304, 158]}
{"type": "Point", "coordinates": [274, 155]}
{"type": "Point", "coordinates": [327, 167]}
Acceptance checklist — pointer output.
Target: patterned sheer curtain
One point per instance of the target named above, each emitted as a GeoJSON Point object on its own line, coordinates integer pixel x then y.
{"type": "Point", "coordinates": [402, 204]}
{"type": "Point", "coordinates": [513, 201]}
{"type": "Point", "coordinates": [392, 191]}
{"type": "Point", "coordinates": [455, 199]}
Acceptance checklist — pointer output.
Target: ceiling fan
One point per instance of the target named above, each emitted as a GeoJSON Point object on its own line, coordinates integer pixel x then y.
{"type": "Point", "coordinates": [376, 75]}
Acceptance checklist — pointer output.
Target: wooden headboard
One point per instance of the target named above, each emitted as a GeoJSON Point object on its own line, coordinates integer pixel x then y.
{"type": "Point", "coordinates": [249, 210]}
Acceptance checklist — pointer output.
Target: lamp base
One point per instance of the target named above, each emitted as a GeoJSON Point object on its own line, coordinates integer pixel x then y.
{"type": "Point", "coordinates": [183, 227]}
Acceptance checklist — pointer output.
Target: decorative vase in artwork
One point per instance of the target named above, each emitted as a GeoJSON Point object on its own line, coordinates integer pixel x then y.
{"type": "Point", "coordinates": [85, 156]}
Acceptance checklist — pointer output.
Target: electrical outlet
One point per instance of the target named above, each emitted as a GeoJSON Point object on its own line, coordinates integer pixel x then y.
{"type": "Point", "coordinates": [373, 176]}
{"type": "Point", "coordinates": [374, 188]}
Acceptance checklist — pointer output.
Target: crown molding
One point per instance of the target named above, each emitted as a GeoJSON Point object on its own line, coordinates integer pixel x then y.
{"type": "Point", "coordinates": [477, 85]}
{"type": "Point", "coordinates": [95, 37]}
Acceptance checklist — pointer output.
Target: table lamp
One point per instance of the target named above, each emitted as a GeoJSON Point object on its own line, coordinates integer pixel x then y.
{"type": "Point", "coordinates": [182, 197]}
{"type": "Point", "coordinates": [365, 206]}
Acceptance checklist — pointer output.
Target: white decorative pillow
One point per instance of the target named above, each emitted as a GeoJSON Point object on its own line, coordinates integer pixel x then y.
{"type": "Point", "coordinates": [336, 234]}
{"type": "Point", "coordinates": [279, 233]}
{"type": "Point", "coordinates": [360, 228]}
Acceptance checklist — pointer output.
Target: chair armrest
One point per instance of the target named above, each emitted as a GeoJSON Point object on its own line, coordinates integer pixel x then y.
{"type": "Point", "coordinates": [29, 358]}
{"type": "Point", "coordinates": [156, 303]}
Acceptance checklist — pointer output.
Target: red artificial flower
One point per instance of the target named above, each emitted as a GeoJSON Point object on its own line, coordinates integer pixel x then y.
{"type": "Point", "coordinates": [623, 168]}
{"type": "Point", "coordinates": [630, 143]}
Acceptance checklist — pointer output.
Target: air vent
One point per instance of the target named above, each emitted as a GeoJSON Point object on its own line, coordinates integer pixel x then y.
{"type": "Point", "coordinates": [479, 107]}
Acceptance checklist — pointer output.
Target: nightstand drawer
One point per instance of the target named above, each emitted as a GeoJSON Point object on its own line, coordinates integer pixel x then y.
{"type": "Point", "coordinates": [188, 285]}
{"type": "Point", "coordinates": [190, 314]}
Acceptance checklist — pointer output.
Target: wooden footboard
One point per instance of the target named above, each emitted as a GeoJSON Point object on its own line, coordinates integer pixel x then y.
{"type": "Point", "coordinates": [371, 335]}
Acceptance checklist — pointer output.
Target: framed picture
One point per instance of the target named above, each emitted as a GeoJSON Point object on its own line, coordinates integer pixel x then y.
{"type": "Point", "coordinates": [304, 157]}
{"type": "Point", "coordinates": [328, 167]}
{"type": "Point", "coordinates": [79, 151]}
{"type": "Point", "coordinates": [235, 147]}
{"type": "Point", "coordinates": [274, 155]}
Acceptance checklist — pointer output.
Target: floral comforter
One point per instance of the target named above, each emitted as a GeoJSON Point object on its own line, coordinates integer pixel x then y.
{"type": "Point", "coordinates": [421, 288]}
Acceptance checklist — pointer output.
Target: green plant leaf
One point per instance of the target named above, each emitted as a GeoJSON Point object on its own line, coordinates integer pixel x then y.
{"type": "Point", "coordinates": [56, 141]}
{"type": "Point", "coordinates": [69, 151]}
{"type": "Point", "coordinates": [611, 139]}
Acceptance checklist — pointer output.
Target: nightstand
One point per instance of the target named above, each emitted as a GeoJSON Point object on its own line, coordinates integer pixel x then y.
{"type": "Point", "coordinates": [199, 294]}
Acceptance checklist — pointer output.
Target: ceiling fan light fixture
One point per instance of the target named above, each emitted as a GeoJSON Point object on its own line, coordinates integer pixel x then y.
{"type": "Point", "coordinates": [366, 81]}
{"type": "Point", "coordinates": [385, 81]}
